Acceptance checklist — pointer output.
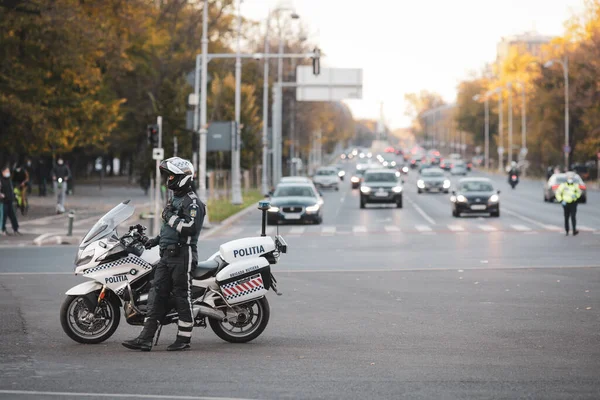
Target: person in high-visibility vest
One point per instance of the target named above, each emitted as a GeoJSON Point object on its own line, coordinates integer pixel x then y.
{"type": "Point", "coordinates": [568, 194]}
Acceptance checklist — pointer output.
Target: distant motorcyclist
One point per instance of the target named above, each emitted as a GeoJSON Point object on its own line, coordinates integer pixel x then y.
{"type": "Point", "coordinates": [514, 170]}
{"type": "Point", "coordinates": [182, 222]}
{"type": "Point", "coordinates": [568, 194]}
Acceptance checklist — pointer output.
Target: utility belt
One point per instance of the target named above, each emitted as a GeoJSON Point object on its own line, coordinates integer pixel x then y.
{"type": "Point", "coordinates": [173, 250]}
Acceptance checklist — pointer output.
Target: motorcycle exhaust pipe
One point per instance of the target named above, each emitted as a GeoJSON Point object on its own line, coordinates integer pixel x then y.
{"type": "Point", "coordinates": [208, 312]}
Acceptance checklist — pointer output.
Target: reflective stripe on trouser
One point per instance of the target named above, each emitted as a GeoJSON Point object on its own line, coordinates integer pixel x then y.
{"type": "Point", "coordinates": [183, 299]}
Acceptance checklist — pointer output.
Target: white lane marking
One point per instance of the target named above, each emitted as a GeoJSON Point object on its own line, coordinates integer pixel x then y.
{"type": "Point", "coordinates": [520, 228]}
{"type": "Point", "coordinates": [487, 228]}
{"type": "Point", "coordinates": [585, 228]}
{"type": "Point", "coordinates": [359, 229]}
{"type": "Point", "coordinates": [297, 230]}
{"type": "Point", "coordinates": [553, 228]}
{"type": "Point", "coordinates": [328, 230]}
{"type": "Point", "coordinates": [524, 218]}
{"type": "Point", "coordinates": [391, 228]}
{"type": "Point", "coordinates": [420, 211]}
{"type": "Point", "coordinates": [456, 228]}
{"type": "Point", "coordinates": [113, 395]}
{"type": "Point", "coordinates": [234, 231]}
{"type": "Point", "coordinates": [423, 228]}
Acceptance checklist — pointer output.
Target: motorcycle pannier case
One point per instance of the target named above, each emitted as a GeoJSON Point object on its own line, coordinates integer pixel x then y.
{"type": "Point", "coordinates": [245, 280]}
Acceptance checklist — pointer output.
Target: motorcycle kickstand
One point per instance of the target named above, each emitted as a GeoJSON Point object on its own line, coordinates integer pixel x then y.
{"type": "Point", "coordinates": [158, 334]}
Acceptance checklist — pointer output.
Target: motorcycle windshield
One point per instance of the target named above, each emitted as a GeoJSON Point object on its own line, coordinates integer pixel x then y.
{"type": "Point", "coordinates": [109, 222]}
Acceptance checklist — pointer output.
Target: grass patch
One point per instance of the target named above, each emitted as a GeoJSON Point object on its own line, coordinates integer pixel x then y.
{"type": "Point", "coordinates": [218, 210]}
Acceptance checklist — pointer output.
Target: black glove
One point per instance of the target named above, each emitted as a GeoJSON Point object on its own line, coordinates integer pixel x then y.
{"type": "Point", "coordinates": [150, 243]}
{"type": "Point", "coordinates": [168, 212]}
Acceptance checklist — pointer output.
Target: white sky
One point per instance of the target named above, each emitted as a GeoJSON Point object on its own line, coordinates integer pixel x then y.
{"type": "Point", "coordinates": [406, 46]}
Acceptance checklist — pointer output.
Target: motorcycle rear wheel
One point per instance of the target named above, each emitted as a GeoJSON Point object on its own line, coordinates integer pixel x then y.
{"type": "Point", "coordinates": [257, 315]}
{"type": "Point", "coordinates": [79, 324]}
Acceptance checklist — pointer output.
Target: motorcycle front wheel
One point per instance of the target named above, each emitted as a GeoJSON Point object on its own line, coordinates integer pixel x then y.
{"type": "Point", "coordinates": [80, 323]}
{"type": "Point", "coordinates": [252, 320]}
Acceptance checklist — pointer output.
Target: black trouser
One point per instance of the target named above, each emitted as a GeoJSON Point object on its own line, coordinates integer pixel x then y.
{"type": "Point", "coordinates": [570, 210]}
{"type": "Point", "coordinates": [173, 274]}
{"type": "Point", "coordinates": [9, 212]}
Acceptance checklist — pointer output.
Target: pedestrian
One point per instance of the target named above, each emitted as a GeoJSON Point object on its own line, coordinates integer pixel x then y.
{"type": "Point", "coordinates": [8, 201]}
{"type": "Point", "coordinates": [1, 205]}
{"type": "Point", "coordinates": [20, 180]}
{"type": "Point", "coordinates": [60, 176]}
{"type": "Point", "coordinates": [568, 194]}
{"type": "Point", "coordinates": [42, 176]}
{"type": "Point", "coordinates": [29, 169]}
{"type": "Point", "coordinates": [182, 222]}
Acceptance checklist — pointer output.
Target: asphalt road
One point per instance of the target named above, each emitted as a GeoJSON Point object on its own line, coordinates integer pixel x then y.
{"type": "Point", "coordinates": [378, 303]}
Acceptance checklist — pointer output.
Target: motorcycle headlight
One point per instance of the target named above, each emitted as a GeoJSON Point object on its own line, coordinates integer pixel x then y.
{"type": "Point", "coordinates": [273, 209]}
{"type": "Point", "coordinates": [84, 256]}
{"type": "Point", "coordinates": [341, 173]}
{"type": "Point", "coordinates": [397, 189]}
{"type": "Point", "coordinates": [405, 170]}
{"type": "Point", "coordinates": [461, 199]}
{"type": "Point", "coordinates": [312, 209]}
{"type": "Point", "coordinates": [365, 189]}
{"type": "Point", "coordinates": [453, 199]}
{"type": "Point", "coordinates": [494, 198]}
{"type": "Point", "coordinates": [446, 184]}
{"type": "Point", "coordinates": [355, 179]}
{"type": "Point", "coordinates": [420, 184]}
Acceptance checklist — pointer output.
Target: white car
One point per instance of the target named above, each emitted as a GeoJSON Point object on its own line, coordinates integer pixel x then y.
{"type": "Point", "coordinates": [303, 179]}
{"type": "Point", "coordinates": [327, 177]}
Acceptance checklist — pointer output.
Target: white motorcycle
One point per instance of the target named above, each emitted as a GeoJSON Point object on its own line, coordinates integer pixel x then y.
{"type": "Point", "coordinates": [228, 289]}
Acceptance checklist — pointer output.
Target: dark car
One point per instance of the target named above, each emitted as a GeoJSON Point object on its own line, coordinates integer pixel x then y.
{"type": "Point", "coordinates": [554, 182]}
{"type": "Point", "coordinates": [475, 195]}
{"type": "Point", "coordinates": [433, 180]}
{"type": "Point", "coordinates": [295, 202]}
{"type": "Point", "coordinates": [381, 186]}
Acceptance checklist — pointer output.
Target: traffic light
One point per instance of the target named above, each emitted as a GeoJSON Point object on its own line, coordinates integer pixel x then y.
{"type": "Point", "coordinates": [316, 61]}
{"type": "Point", "coordinates": [152, 133]}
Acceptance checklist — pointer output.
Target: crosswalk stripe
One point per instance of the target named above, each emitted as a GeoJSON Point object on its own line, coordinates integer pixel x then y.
{"type": "Point", "coordinates": [359, 229]}
{"type": "Point", "coordinates": [521, 228]}
{"type": "Point", "coordinates": [423, 228]}
{"type": "Point", "coordinates": [456, 228]}
{"type": "Point", "coordinates": [328, 230]}
{"type": "Point", "coordinates": [391, 228]}
{"type": "Point", "coordinates": [487, 228]}
{"type": "Point", "coordinates": [297, 230]}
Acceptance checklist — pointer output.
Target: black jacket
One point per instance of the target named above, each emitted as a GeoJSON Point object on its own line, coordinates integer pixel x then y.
{"type": "Point", "coordinates": [7, 190]}
{"type": "Point", "coordinates": [182, 222]}
{"type": "Point", "coordinates": [61, 171]}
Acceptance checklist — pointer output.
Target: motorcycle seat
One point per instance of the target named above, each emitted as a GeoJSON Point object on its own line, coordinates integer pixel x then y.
{"type": "Point", "coordinates": [205, 269]}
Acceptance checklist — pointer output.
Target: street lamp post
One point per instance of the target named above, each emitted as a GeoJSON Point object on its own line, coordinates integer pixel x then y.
{"type": "Point", "coordinates": [265, 140]}
{"type": "Point", "coordinates": [510, 123]}
{"type": "Point", "coordinates": [236, 187]}
{"type": "Point", "coordinates": [565, 65]}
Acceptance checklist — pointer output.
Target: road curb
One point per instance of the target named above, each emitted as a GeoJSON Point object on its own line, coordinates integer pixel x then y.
{"type": "Point", "coordinates": [52, 238]}
{"type": "Point", "coordinates": [229, 220]}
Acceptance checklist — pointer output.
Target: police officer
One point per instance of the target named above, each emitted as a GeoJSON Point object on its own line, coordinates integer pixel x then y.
{"type": "Point", "coordinates": [568, 194]}
{"type": "Point", "coordinates": [182, 220]}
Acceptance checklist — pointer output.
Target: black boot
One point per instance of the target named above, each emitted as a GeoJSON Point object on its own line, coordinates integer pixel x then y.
{"type": "Point", "coordinates": [178, 345]}
{"type": "Point", "coordinates": [575, 232]}
{"type": "Point", "coordinates": [144, 341]}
